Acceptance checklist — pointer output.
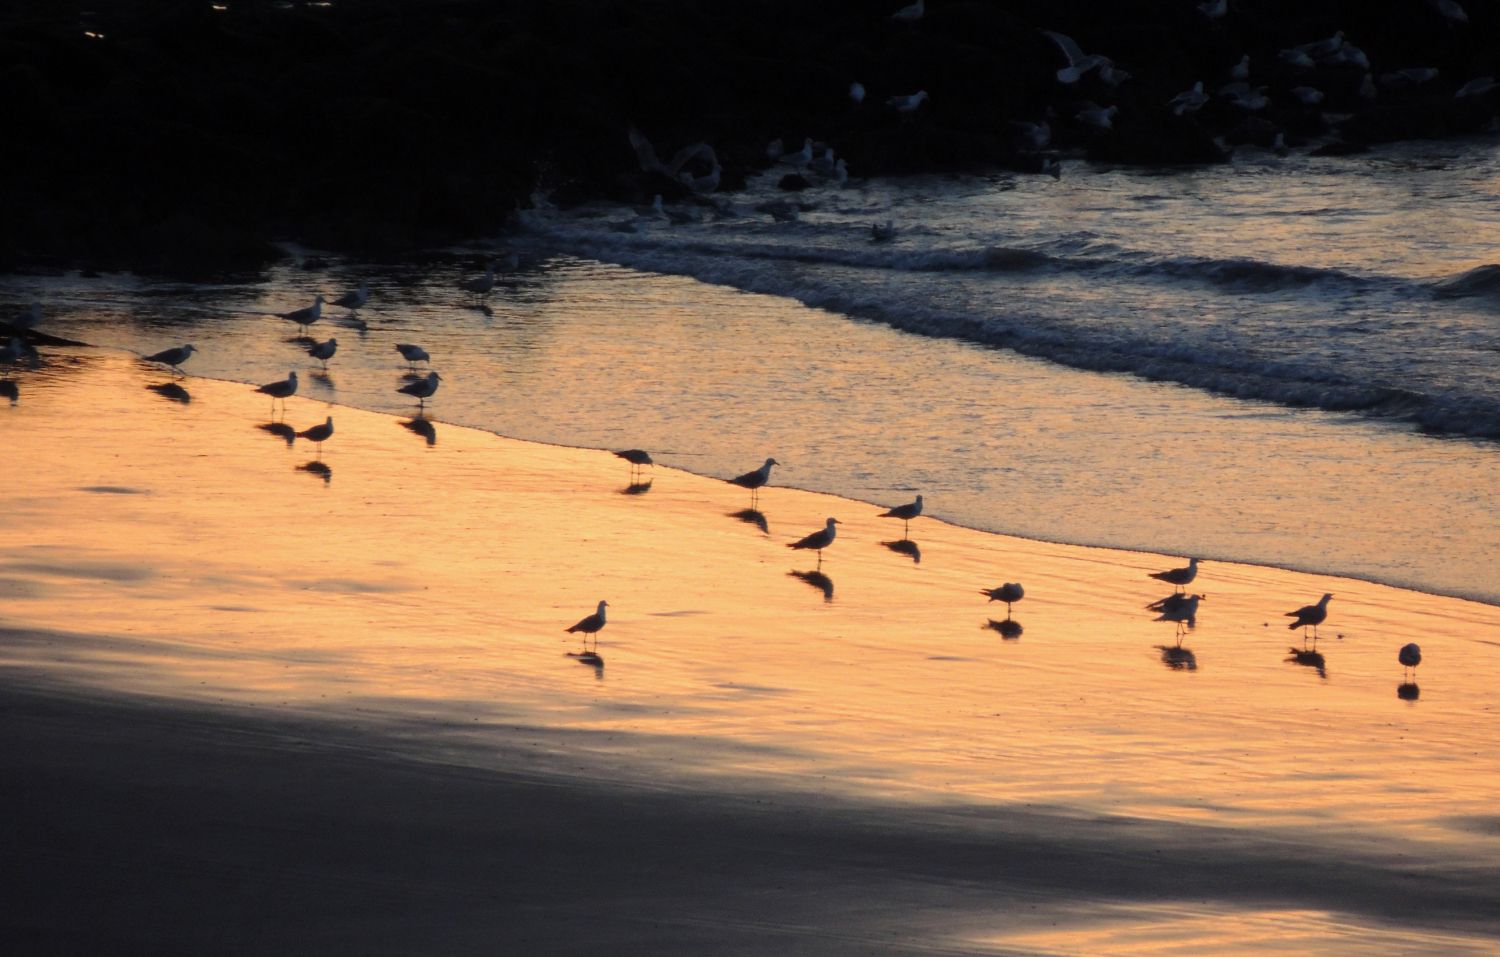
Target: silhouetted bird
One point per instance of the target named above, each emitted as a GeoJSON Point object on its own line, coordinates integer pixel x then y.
{"type": "Point", "coordinates": [10, 390]}
{"type": "Point", "coordinates": [173, 357]}
{"type": "Point", "coordinates": [755, 480]}
{"type": "Point", "coordinates": [1410, 656]}
{"type": "Point", "coordinates": [1180, 577]}
{"type": "Point", "coordinates": [1310, 615]}
{"type": "Point", "coordinates": [323, 351]}
{"type": "Point", "coordinates": [818, 540]}
{"type": "Point", "coordinates": [880, 232]}
{"type": "Point", "coordinates": [591, 625]}
{"type": "Point", "coordinates": [636, 458]}
{"type": "Point", "coordinates": [318, 434]}
{"type": "Point", "coordinates": [306, 316]}
{"type": "Point", "coordinates": [481, 285]}
{"type": "Point", "coordinates": [422, 389]}
{"type": "Point", "coordinates": [906, 513]}
{"type": "Point", "coordinates": [1010, 593]}
{"type": "Point", "coordinates": [1184, 614]}
{"type": "Point", "coordinates": [910, 13]}
{"type": "Point", "coordinates": [280, 390]}
{"type": "Point", "coordinates": [353, 300]}
{"type": "Point", "coordinates": [413, 354]}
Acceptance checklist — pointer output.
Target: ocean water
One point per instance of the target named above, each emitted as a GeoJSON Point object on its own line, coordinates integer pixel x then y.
{"type": "Point", "coordinates": [1285, 360]}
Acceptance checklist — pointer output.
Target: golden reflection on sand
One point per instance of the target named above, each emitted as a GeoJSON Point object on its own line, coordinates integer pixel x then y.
{"type": "Point", "coordinates": [174, 549]}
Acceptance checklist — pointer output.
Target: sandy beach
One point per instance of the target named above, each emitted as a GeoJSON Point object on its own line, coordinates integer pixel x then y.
{"type": "Point", "coordinates": [255, 707]}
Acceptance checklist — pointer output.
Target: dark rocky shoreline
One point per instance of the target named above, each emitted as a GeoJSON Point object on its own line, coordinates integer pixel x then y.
{"type": "Point", "coordinates": [173, 135]}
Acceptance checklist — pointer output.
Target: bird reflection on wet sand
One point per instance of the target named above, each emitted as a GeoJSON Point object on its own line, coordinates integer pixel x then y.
{"type": "Point", "coordinates": [421, 425]}
{"type": "Point", "coordinates": [818, 580]}
{"type": "Point", "coordinates": [906, 547]}
{"type": "Point", "coordinates": [173, 391]}
{"type": "Point", "coordinates": [1308, 659]}
{"type": "Point", "coordinates": [641, 488]}
{"type": "Point", "coordinates": [281, 430]}
{"type": "Point", "coordinates": [1009, 629]}
{"type": "Point", "coordinates": [1408, 691]}
{"type": "Point", "coordinates": [1178, 658]}
{"type": "Point", "coordinates": [590, 658]}
{"type": "Point", "coordinates": [754, 517]}
{"type": "Point", "coordinates": [320, 469]}
{"type": "Point", "coordinates": [322, 379]}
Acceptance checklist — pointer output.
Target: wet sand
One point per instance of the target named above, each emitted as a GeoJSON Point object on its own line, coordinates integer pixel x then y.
{"type": "Point", "coordinates": [248, 710]}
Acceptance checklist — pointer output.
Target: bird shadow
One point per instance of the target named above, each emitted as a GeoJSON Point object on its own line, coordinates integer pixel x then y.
{"type": "Point", "coordinates": [355, 323]}
{"type": "Point", "coordinates": [637, 488]}
{"type": "Point", "coordinates": [1408, 691]}
{"type": "Point", "coordinates": [281, 430]}
{"type": "Point", "coordinates": [1009, 629]}
{"type": "Point", "coordinates": [320, 469]}
{"type": "Point", "coordinates": [173, 391]}
{"type": "Point", "coordinates": [420, 425]}
{"type": "Point", "coordinates": [322, 379]}
{"type": "Point", "coordinates": [303, 340]}
{"type": "Point", "coordinates": [754, 517]}
{"type": "Point", "coordinates": [591, 659]}
{"type": "Point", "coordinates": [484, 310]}
{"type": "Point", "coordinates": [906, 547]}
{"type": "Point", "coordinates": [818, 580]}
{"type": "Point", "coordinates": [1178, 658]}
{"type": "Point", "coordinates": [1308, 659]}
{"type": "Point", "coordinates": [411, 375]}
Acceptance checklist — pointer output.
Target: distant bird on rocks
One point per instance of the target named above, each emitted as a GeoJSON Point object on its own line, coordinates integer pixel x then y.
{"type": "Point", "coordinates": [857, 92]}
{"type": "Point", "coordinates": [1079, 63]}
{"type": "Point", "coordinates": [354, 299]}
{"type": "Point", "coordinates": [818, 540]}
{"type": "Point", "coordinates": [906, 513]}
{"type": "Point", "coordinates": [880, 232]}
{"type": "Point", "coordinates": [756, 480]}
{"type": "Point", "coordinates": [307, 315]}
{"type": "Point", "coordinates": [173, 357]}
{"type": "Point", "coordinates": [591, 625]}
{"type": "Point", "coordinates": [1181, 577]}
{"type": "Point", "coordinates": [1308, 95]}
{"type": "Point", "coordinates": [280, 390]}
{"type": "Point", "coordinates": [413, 354]}
{"type": "Point", "coordinates": [318, 434]}
{"type": "Point", "coordinates": [801, 157]}
{"type": "Point", "coordinates": [1313, 615]}
{"type": "Point", "coordinates": [1240, 72]}
{"type": "Point", "coordinates": [323, 351]}
{"type": "Point", "coordinates": [483, 284]}
{"type": "Point", "coordinates": [910, 13]}
{"type": "Point", "coordinates": [9, 390]}
{"type": "Point", "coordinates": [637, 458]}
{"type": "Point", "coordinates": [1478, 86]}
{"type": "Point", "coordinates": [906, 103]}
{"type": "Point", "coordinates": [1099, 117]}
{"type": "Point", "coordinates": [422, 389]}
{"type": "Point", "coordinates": [1410, 656]}
{"type": "Point", "coordinates": [1010, 593]}
{"type": "Point", "coordinates": [1189, 101]}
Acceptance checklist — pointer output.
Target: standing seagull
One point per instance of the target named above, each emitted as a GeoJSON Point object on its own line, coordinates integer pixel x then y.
{"type": "Point", "coordinates": [1410, 656]}
{"type": "Point", "coordinates": [323, 351]}
{"type": "Point", "coordinates": [755, 480]}
{"type": "Point", "coordinates": [307, 315]}
{"type": "Point", "coordinates": [483, 284]}
{"type": "Point", "coordinates": [1010, 592]}
{"type": "Point", "coordinates": [591, 625]}
{"type": "Point", "coordinates": [10, 390]}
{"type": "Point", "coordinates": [636, 458]}
{"type": "Point", "coordinates": [910, 13]}
{"type": "Point", "coordinates": [818, 540]}
{"type": "Point", "coordinates": [1181, 577]}
{"type": "Point", "coordinates": [413, 354]}
{"type": "Point", "coordinates": [318, 434]}
{"type": "Point", "coordinates": [173, 357]}
{"type": "Point", "coordinates": [422, 389]}
{"type": "Point", "coordinates": [280, 390]}
{"type": "Point", "coordinates": [906, 513]}
{"type": "Point", "coordinates": [1310, 615]}
{"type": "Point", "coordinates": [353, 300]}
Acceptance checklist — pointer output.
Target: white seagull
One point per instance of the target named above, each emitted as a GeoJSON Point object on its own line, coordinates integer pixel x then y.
{"type": "Point", "coordinates": [906, 513]}
{"type": "Point", "coordinates": [1189, 101]}
{"type": "Point", "coordinates": [173, 357]}
{"type": "Point", "coordinates": [591, 625]}
{"type": "Point", "coordinates": [1079, 62]}
{"type": "Point", "coordinates": [818, 540]}
{"type": "Point", "coordinates": [1313, 615]}
{"type": "Point", "coordinates": [1181, 577]}
{"type": "Point", "coordinates": [307, 315]}
{"type": "Point", "coordinates": [907, 103]}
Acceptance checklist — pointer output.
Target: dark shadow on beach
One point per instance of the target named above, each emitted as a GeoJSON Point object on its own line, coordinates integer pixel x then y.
{"type": "Point", "coordinates": [1308, 659]}
{"type": "Point", "coordinates": [318, 468]}
{"type": "Point", "coordinates": [171, 390]}
{"type": "Point", "coordinates": [637, 488]}
{"type": "Point", "coordinates": [1178, 658]}
{"type": "Point", "coordinates": [421, 425]}
{"type": "Point", "coordinates": [1009, 629]}
{"type": "Point", "coordinates": [281, 430]}
{"type": "Point", "coordinates": [906, 547]}
{"type": "Point", "coordinates": [752, 516]}
{"type": "Point", "coordinates": [818, 580]}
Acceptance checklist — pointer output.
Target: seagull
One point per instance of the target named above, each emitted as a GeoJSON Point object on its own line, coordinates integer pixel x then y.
{"type": "Point", "coordinates": [857, 92]}
{"type": "Point", "coordinates": [818, 540]}
{"type": "Point", "coordinates": [1310, 615]}
{"type": "Point", "coordinates": [318, 434]}
{"type": "Point", "coordinates": [1478, 86]}
{"type": "Point", "coordinates": [280, 390]}
{"type": "Point", "coordinates": [907, 103]}
{"type": "Point", "coordinates": [1079, 63]}
{"type": "Point", "coordinates": [1030, 136]}
{"type": "Point", "coordinates": [308, 315]}
{"type": "Point", "coordinates": [880, 232]}
{"type": "Point", "coordinates": [1241, 70]}
{"type": "Point", "coordinates": [173, 357]}
{"type": "Point", "coordinates": [906, 513]}
{"type": "Point", "coordinates": [1450, 10]}
{"type": "Point", "coordinates": [1410, 656]}
{"type": "Point", "coordinates": [1214, 9]}
{"type": "Point", "coordinates": [1173, 602]}
{"type": "Point", "coordinates": [1308, 95]}
{"type": "Point", "coordinates": [755, 480]}
{"type": "Point", "coordinates": [422, 389]}
{"type": "Point", "coordinates": [353, 300]}
{"type": "Point", "coordinates": [413, 354]}
{"type": "Point", "coordinates": [1099, 117]}
{"type": "Point", "coordinates": [1184, 613]}
{"type": "Point", "coordinates": [823, 164]}
{"type": "Point", "coordinates": [323, 351]}
{"type": "Point", "coordinates": [1010, 593]}
{"type": "Point", "coordinates": [10, 390]}
{"type": "Point", "coordinates": [800, 158]}
{"type": "Point", "coordinates": [636, 458]}
{"type": "Point", "coordinates": [591, 625]}
{"type": "Point", "coordinates": [1189, 101]}
{"type": "Point", "coordinates": [481, 285]}
{"type": "Point", "coordinates": [910, 13]}
{"type": "Point", "coordinates": [1181, 577]}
